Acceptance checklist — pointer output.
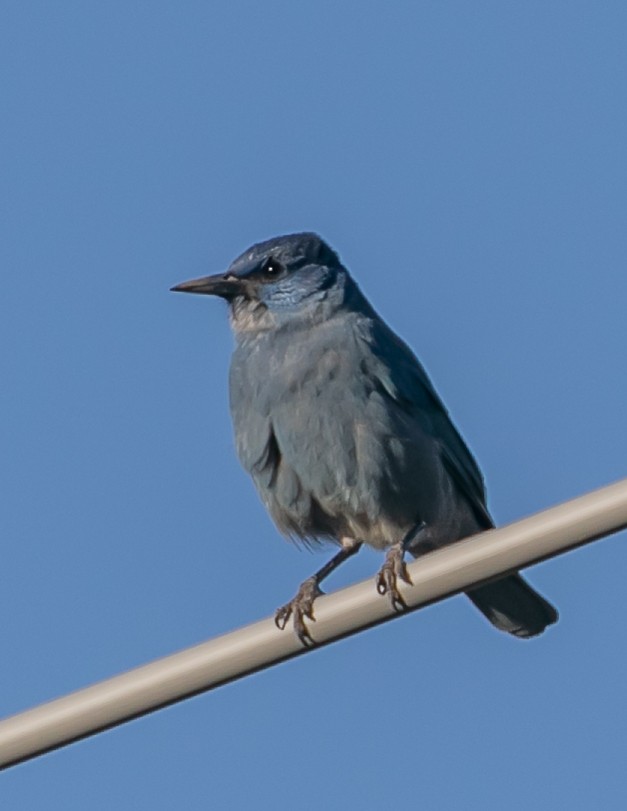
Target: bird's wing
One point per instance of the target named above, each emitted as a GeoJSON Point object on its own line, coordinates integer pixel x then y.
{"type": "Point", "coordinates": [405, 380]}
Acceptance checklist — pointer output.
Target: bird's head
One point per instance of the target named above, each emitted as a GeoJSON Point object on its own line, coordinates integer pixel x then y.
{"type": "Point", "coordinates": [277, 281]}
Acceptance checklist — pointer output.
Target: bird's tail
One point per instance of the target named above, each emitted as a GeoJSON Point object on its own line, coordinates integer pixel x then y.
{"type": "Point", "coordinates": [513, 606]}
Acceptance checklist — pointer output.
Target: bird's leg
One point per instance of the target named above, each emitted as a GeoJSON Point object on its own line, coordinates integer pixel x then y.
{"type": "Point", "coordinates": [392, 570]}
{"type": "Point", "coordinates": [302, 604]}
{"type": "Point", "coordinates": [395, 569]}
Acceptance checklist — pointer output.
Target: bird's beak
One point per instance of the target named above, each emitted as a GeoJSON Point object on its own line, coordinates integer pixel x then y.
{"type": "Point", "coordinates": [221, 284]}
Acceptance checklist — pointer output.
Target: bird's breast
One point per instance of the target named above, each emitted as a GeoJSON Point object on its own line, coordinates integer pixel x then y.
{"type": "Point", "coordinates": [329, 453]}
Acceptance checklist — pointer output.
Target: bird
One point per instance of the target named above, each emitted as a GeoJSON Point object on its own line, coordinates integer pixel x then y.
{"type": "Point", "coordinates": [342, 431]}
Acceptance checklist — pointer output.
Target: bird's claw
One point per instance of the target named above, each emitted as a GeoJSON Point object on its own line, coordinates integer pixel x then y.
{"type": "Point", "coordinates": [393, 570]}
{"type": "Point", "coordinates": [299, 608]}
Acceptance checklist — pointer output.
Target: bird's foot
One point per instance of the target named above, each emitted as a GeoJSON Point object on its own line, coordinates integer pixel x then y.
{"type": "Point", "coordinates": [393, 570]}
{"type": "Point", "coordinates": [299, 608]}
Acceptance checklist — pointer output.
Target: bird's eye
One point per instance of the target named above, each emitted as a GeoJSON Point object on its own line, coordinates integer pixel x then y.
{"type": "Point", "coordinates": [271, 267]}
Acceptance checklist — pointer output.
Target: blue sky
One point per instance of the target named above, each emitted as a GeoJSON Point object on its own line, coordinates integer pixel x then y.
{"type": "Point", "coordinates": [467, 160]}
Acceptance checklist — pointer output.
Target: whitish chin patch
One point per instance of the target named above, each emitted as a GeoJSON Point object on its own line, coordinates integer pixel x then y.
{"type": "Point", "coordinates": [250, 316]}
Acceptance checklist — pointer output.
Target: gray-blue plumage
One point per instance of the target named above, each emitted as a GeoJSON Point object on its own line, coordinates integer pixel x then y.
{"type": "Point", "coordinates": [341, 429]}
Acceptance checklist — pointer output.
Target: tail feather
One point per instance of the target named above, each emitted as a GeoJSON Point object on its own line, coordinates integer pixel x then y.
{"type": "Point", "coordinates": [512, 605]}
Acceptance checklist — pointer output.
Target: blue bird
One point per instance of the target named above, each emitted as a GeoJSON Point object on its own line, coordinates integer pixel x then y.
{"type": "Point", "coordinates": [342, 431]}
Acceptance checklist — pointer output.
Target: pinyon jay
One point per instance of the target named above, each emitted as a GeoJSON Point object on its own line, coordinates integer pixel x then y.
{"type": "Point", "coordinates": [342, 431]}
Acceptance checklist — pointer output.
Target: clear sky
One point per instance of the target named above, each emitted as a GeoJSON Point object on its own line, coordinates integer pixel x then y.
{"type": "Point", "coordinates": [467, 160]}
